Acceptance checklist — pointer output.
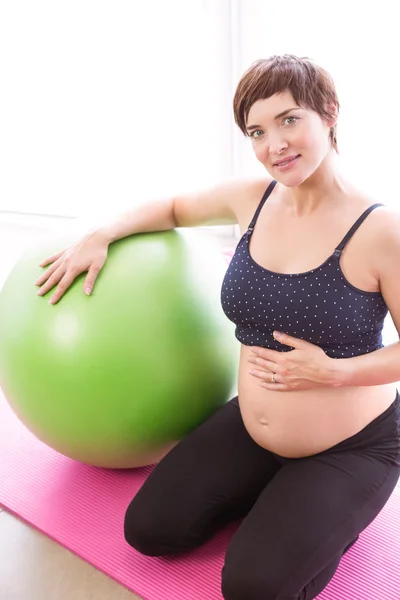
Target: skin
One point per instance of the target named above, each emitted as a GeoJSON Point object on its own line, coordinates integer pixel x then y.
{"type": "Point", "coordinates": [305, 411]}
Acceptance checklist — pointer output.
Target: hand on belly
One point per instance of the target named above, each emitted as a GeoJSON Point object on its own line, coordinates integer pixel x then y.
{"type": "Point", "coordinates": [304, 367]}
{"type": "Point", "coordinates": [303, 422]}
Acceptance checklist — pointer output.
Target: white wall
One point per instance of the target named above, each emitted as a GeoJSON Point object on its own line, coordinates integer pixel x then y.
{"type": "Point", "coordinates": [105, 104]}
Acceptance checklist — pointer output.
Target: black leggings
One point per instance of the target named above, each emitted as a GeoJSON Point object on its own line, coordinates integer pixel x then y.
{"type": "Point", "coordinates": [299, 515]}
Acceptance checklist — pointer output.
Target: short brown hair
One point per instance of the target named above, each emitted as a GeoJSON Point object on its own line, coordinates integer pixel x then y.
{"type": "Point", "coordinates": [310, 85]}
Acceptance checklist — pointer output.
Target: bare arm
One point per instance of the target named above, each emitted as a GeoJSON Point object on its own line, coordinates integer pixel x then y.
{"type": "Point", "coordinates": [381, 366]}
{"type": "Point", "coordinates": [220, 205]}
{"type": "Point", "coordinates": [213, 206]}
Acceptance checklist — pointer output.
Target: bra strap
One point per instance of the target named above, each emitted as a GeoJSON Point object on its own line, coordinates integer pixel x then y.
{"type": "Point", "coordinates": [354, 228]}
{"type": "Point", "coordinates": [267, 193]}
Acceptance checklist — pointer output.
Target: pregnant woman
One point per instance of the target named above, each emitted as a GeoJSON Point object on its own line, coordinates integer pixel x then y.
{"type": "Point", "coordinates": [308, 453]}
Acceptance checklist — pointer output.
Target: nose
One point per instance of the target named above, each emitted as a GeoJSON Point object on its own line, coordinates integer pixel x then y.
{"type": "Point", "coordinates": [277, 145]}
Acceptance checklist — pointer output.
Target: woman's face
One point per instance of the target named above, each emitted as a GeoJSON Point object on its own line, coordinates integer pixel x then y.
{"type": "Point", "coordinates": [289, 141]}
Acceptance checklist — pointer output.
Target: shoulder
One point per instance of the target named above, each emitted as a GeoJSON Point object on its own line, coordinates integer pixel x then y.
{"type": "Point", "coordinates": [246, 196]}
{"type": "Point", "coordinates": [224, 203]}
{"type": "Point", "coordinates": [249, 189]}
{"type": "Point", "coordinates": [378, 219]}
{"type": "Point", "coordinates": [387, 231]}
{"type": "Point", "coordinates": [382, 231]}
{"type": "Point", "coordinates": [384, 224]}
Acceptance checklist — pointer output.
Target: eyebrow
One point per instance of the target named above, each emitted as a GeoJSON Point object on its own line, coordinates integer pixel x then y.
{"type": "Point", "coordinates": [279, 116]}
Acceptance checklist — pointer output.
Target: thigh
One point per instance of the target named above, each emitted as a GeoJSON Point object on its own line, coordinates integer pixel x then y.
{"type": "Point", "coordinates": [304, 519]}
{"type": "Point", "coordinates": [213, 476]}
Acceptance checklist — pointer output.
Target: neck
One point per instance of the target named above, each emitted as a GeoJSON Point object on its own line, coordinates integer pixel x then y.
{"type": "Point", "coordinates": [324, 187]}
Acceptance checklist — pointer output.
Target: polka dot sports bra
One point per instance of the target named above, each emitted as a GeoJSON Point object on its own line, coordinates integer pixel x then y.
{"type": "Point", "coordinates": [319, 306]}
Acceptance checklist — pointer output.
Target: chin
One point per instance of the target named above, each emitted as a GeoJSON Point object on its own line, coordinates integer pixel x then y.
{"type": "Point", "coordinates": [291, 180]}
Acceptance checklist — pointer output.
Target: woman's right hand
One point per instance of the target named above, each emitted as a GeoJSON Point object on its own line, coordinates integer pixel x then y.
{"type": "Point", "coordinates": [88, 254]}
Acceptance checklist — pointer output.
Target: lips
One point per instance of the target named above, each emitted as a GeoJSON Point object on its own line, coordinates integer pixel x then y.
{"type": "Point", "coordinates": [285, 161]}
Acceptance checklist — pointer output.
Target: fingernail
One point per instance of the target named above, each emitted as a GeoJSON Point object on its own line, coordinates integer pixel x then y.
{"type": "Point", "coordinates": [88, 290]}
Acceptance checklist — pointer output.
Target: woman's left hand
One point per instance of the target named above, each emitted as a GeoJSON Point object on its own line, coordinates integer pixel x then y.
{"type": "Point", "coordinates": [305, 367]}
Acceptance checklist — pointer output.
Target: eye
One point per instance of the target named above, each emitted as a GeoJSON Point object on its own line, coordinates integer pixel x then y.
{"type": "Point", "coordinates": [290, 120]}
{"type": "Point", "coordinates": [256, 134]}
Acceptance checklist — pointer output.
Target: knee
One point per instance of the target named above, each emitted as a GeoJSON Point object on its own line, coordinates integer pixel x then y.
{"type": "Point", "coordinates": [244, 578]}
{"type": "Point", "coordinates": [141, 530]}
{"type": "Point", "coordinates": [152, 532]}
{"type": "Point", "coordinates": [239, 585]}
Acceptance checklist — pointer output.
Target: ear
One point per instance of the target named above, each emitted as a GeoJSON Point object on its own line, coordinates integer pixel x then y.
{"type": "Point", "coordinates": [333, 111]}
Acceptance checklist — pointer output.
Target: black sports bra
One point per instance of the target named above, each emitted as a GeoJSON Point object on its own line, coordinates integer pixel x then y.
{"type": "Point", "coordinates": [319, 306]}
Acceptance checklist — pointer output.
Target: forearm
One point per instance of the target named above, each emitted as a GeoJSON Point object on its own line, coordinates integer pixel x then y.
{"type": "Point", "coordinates": [376, 368]}
{"type": "Point", "coordinates": [154, 216]}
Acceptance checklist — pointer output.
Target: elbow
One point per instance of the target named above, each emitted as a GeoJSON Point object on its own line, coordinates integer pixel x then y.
{"type": "Point", "coordinates": [174, 219]}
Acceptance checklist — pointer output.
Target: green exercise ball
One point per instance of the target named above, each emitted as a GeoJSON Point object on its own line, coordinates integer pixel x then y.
{"type": "Point", "coordinates": [115, 379]}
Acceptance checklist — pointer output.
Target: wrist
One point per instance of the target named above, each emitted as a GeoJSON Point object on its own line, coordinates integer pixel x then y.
{"type": "Point", "coordinates": [106, 234]}
{"type": "Point", "coordinates": [338, 373]}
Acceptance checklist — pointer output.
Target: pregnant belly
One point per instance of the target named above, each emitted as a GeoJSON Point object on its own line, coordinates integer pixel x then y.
{"type": "Point", "coordinates": [301, 423]}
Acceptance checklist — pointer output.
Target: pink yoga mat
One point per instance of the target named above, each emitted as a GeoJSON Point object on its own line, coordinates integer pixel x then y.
{"type": "Point", "coordinates": [82, 508]}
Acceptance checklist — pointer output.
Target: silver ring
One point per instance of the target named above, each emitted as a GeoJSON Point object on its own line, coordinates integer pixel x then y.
{"type": "Point", "coordinates": [273, 378]}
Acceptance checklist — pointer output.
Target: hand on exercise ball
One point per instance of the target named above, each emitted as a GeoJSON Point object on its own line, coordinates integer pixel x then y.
{"type": "Point", "coordinates": [88, 254]}
{"type": "Point", "coordinates": [88, 389]}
